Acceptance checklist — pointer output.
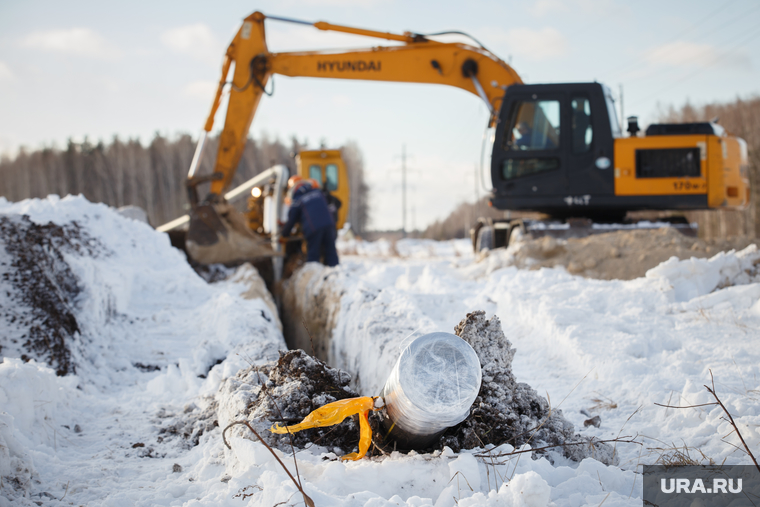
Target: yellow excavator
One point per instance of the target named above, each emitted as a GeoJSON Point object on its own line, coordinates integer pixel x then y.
{"type": "Point", "coordinates": [325, 167]}
{"type": "Point", "coordinates": [558, 148]}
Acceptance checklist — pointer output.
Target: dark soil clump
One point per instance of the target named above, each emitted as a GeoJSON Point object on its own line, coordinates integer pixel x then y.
{"type": "Point", "coordinates": [40, 290]}
{"type": "Point", "coordinates": [191, 424]}
{"type": "Point", "coordinates": [285, 392]}
{"type": "Point", "coordinates": [506, 411]}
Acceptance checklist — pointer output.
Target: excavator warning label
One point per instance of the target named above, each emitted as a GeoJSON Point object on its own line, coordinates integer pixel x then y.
{"type": "Point", "coordinates": [348, 66]}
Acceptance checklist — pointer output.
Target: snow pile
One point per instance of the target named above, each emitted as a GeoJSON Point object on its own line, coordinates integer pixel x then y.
{"type": "Point", "coordinates": [405, 248]}
{"type": "Point", "coordinates": [35, 413]}
{"type": "Point", "coordinates": [39, 291]}
{"type": "Point", "coordinates": [148, 336]}
{"type": "Point", "coordinates": [139, 421]}
{"type": "Point", "coordinates": [512, 412]}
{"type": "Point", "coordinates": [621, 255]}
{"type": "Point", "coordinates": [697, 277]}
{"type": "Point", "coordinates": [621, 347]}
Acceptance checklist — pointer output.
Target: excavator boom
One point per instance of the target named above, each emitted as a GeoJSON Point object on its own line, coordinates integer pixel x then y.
{"type": "Point", "coordinates": [418, 60]}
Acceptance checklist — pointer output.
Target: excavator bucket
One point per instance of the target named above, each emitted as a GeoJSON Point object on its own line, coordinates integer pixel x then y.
{"type": "Point", "coordinates": [218, 233]}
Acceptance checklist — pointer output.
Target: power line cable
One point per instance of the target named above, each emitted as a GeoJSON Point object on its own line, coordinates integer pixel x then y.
{"type": "Point", "coordinates": [752, 35]}
{"type": "Point", "coordinates": [624, 68]}
{"type": "Point", "coordinates": [658, 72]}
{"type": "Point", "coordinates": [731, 21]}
{"type": "Point", "coordinates": [597, 22]}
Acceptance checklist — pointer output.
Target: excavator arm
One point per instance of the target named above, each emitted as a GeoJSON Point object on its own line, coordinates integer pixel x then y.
{"type": "Point", "coordinates": [418, 59]}
{"type": "Point", "coordinates": [215, 233]}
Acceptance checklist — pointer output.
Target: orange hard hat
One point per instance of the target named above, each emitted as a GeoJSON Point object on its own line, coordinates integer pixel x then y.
{"type": "Point", "coordinates": [293, 180]}
{"type": "Point", "coordinates": [314, 183]}
{"type": "Point", "coordinates": [298, 182]}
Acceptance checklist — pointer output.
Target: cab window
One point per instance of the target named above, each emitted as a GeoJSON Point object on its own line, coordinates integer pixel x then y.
{"type": "Point", "coordinates": [583, 131]}
{"type": "Point", "coordinates": [534, 126]}
{"type": "Point", "coordinates": [315, 173]}
{"type": "Point", "coordinates": [519, 167]}
{"type": "Point", "coordinates": [331, 173]}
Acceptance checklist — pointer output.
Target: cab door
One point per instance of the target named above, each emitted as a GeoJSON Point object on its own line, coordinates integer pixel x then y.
{"type": "Point", "coordinates": [527, 163]}
{"type": "Point", "coordinates": [590, 149]}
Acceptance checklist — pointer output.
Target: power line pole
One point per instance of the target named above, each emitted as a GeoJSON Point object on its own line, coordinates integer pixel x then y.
{"type": "Point", "coordinates": [622, 112]}
{"type": "Point", "coordinates": [477, 192]}
{"type": "Point", "coordinates": [403, 189]}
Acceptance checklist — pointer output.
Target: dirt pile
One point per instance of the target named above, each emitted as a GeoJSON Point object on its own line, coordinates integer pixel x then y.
{"type": "Point", "coordinates": [286, 391]}
{"type": "Point", "coordinates": [622, 255]}
{"type": "Point", "coordinates": [506, 411]}
{"type": "Point", "coordinates": [39, 291]}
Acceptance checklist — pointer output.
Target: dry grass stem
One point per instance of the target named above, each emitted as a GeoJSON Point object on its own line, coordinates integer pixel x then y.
{"type": "Point", "coordinates": [678, 457]}
{"type": "Point", "coordinates": [631, 440]}
{"type": "Point", "coordinates": [731, 420]}
{"type": "Point", "coordinates": [311, 338]}
{"type": "Point", "coordinates": [307, 500]}
{"type": "Point", "coordinates": [603, 403]}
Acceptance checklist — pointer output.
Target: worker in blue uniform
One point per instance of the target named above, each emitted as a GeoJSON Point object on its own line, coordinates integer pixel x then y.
{"type": "Point", "coordinates": [309, 208]}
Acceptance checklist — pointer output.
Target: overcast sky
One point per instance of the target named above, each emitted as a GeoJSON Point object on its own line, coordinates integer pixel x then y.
{"type": "Point", "coordinates": [99, 69]}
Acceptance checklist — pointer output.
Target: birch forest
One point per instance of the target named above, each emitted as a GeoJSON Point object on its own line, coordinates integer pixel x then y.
{"type": "Point", "coordinates": [121, 173]}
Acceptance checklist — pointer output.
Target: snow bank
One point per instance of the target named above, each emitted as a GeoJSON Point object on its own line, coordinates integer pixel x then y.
{"type": "Point", "coordinates": [151, 336]}
{"type": "Point", "coordinates": [155, 342]}
{"type": "Point", "coordinates": [406, 248]}
{"type": "Point", "coordinates": [35, 412]}
{"type": "Point", "coordinates": [619, 255]}
{"type": "Point", "coordinates": [694, 277]}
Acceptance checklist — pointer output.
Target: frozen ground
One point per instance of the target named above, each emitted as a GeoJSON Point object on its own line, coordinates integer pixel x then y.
{"type": "Point", "coordinates": [155, 342]}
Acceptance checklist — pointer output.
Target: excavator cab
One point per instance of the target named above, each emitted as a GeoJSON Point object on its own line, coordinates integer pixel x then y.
{"type": "Point", "coordinates": [329, 170]}
{"type": "Point", "coordinates": [553, 149]}
{"type": "Point", "coordinates": [559, 150]}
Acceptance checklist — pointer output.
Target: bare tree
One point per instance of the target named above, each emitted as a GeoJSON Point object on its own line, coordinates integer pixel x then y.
{"type": "Point", "coordinates": [458, 223]}
{"type": "Point", "coordinates": [358, 208]}
{"type": "Point", "coordinates": [150, 177]}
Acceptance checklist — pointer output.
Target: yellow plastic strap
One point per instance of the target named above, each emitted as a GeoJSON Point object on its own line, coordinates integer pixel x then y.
{"type": "Point", "coordinates": [334, 413]}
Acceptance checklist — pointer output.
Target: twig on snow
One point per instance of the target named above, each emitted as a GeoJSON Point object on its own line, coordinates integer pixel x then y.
{"type": "Point", "coordinates": [730, 419]}
{"type": "Point", "coordinates": [306, 498]}
{"type": "Point", "coordinates": [65, 492]}
{"type": "Point", "coordinates": [688, 406]}
{"type": "Point", "coordinates": [566, 444]}
{"type": "Point", "coordinates": [265, 390]}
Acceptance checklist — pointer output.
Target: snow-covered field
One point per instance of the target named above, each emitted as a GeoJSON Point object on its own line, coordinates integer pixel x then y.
{"type": "Point", "coordinates": [593, 347]}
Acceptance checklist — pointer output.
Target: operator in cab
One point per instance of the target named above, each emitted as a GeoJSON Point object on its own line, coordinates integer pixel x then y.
{"type": "Point", "coordinates": [309, 208]}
